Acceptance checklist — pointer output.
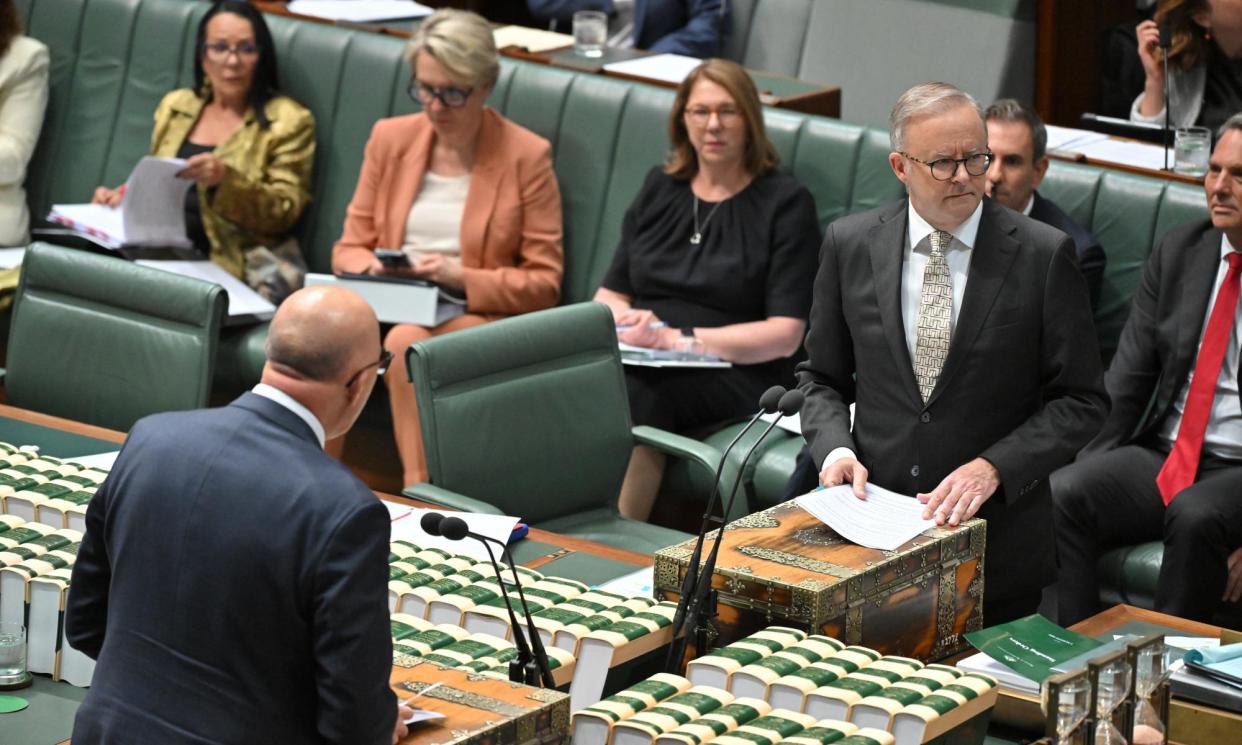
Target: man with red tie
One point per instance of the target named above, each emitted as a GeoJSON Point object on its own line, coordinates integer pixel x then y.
{"type": "Point", "coordinates": [1168, 463]}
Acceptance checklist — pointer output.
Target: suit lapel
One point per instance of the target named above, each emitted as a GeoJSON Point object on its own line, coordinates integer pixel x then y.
{"type": "Point", "coordinates": [1196, 287]}
{"type": "Point", "coordinates": [485, 179]}
{"type": "Point", "coordinates": [406, 181]}
{"type": "Point", "coordinates": [888, 244]}
{"type": "Point", "coordinates": [990, 261]}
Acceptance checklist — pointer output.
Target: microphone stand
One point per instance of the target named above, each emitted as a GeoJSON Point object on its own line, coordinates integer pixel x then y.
{"type": "Point", "coordinates": [1168, 133]}
{"type": "Point", "coordinates": [520, 670]}
{"type": "Point", "coordinates": [688, 583]}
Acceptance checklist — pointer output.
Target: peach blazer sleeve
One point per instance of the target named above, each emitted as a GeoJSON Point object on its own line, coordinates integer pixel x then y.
{"type": "Point", "coordinates": [511, 234]}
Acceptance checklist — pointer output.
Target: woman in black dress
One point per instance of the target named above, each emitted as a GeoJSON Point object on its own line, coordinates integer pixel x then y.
{"type": "Point", "coordinates": [717, 256]}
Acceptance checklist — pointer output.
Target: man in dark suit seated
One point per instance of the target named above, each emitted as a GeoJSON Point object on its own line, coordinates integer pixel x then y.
{"type": "Point", "coordinates": [232, 583]}
{"type": "Point", "coordinates": [1017, 138]}
{"type": "Point", "coordinates": [1168, 463]}
{"type": "Point", "coordinates": [962, 333]}
{"type": "Point", "coordinates": [694, 28]}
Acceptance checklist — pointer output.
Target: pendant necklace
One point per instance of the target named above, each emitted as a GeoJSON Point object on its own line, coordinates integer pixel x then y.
{"type": "Point", "coordinates": [697, 238]}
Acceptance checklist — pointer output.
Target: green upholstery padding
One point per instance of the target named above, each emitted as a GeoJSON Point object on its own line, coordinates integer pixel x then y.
{"type": "Point", "coordinates": [530, 415]}
{"type": "Point", "coordinates": [105, 341]}
{"type": "Point", "coordinates": [1129, 575]}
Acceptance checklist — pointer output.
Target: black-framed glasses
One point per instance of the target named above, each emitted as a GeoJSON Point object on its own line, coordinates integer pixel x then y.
{"type": "Point", "coordinates": [380, 365]}
{"type": "Point", "coordinates": [219, 51]}
{"type": "Point", "coordinates": [943, 169]}
{"type": "Point", "coordinates": [454, 98]}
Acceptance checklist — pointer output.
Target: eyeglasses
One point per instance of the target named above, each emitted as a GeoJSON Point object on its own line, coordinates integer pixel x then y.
{"type": "Point", "coordinates": [380, 365]}
{"type": "Point", "coordinates": [943, 169]}
{"type": "Point", "coordinates": [454, 98]}
{"type": "Point", "coordinates": [699, 115]}
{"type": "Point", "coordinates": [218, 51]}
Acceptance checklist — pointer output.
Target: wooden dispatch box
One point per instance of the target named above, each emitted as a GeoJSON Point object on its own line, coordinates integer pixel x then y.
{"type": "Point", "coordinates": [783, 566]}
{"type": "Point", "coordinates": [479, 710]}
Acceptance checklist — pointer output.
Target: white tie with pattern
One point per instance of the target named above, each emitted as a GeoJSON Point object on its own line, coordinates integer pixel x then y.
{"type": "Point", "coordinates": [931, 345]}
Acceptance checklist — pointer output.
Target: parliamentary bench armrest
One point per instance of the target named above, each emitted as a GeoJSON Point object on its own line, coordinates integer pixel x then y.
{"type": "Point", "coordinates": [685, 448]}
{"type": "Point", "coordinates": [449, 499]}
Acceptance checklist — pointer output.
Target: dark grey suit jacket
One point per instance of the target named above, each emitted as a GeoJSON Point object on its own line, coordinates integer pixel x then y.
{"type": "Point", "coordinates": [232, 584]}
{"type": "Point", "coordinates": [1091, 259]}
{"type": "Point", "coordinates": [1160, 341]}
{"type": "Point", "coordinates": [1022, 385]}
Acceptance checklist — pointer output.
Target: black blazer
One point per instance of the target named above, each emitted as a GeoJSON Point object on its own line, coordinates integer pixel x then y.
{"type": "Point", "coordinates": [1160, 341]}
{"type": "Point", "coordinates": [232, 584]}
{"type": "Point", "coordinates": [1021, 386]}
{"type": "Point", "coordinates": [1090, 253]}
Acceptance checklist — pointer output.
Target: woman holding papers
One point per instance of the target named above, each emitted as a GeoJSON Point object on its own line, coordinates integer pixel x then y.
{"type": "Point", "coordinates": [469, 197]}
{"type": "Point", "coordinates": [717, 257]}
{"type": "Point", "coordinates": [248, 147]}
{"type": "Point", "coordinates": [23, 98]}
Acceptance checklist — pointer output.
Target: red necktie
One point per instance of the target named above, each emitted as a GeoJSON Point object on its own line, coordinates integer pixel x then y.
{"type": "Point", "coordinates": [1179, 469]}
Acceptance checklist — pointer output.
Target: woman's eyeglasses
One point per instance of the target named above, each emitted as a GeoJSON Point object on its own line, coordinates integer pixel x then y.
{"type": "Point", "coordinates": [218, 51]}
{"type": "Point", "coordinates": [454, 98]}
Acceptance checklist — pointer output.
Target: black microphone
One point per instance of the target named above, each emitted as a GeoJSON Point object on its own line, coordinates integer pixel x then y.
{"type": "Point", "coordinates": [454, 529]}
{"type": "Point", "coordinates": [767, 404]}
{"type": "Point", "coordinates": [434, 523]}
{"type": "Point", "coordinates": [1166, 41]}
{"type": "Point", "coordinates": [789, 405]}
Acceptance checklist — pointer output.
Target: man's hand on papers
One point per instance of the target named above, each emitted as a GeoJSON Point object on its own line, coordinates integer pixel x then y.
{"type": "Point", "coordinates": [843, 471]}
{"type": "Point", "coordinates": [205, 168]}
{"type": "Point", "coordinates": [960, 495]}
{"type": "Point", "coordinates": [401, 729]}
{"type": "Point", "coordinates": [109, 197]}
{"type": "Point", "coordinates": [1233, 585]}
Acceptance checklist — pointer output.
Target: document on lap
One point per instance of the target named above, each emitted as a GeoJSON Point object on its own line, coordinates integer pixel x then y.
{"type": "Point", "coordinates": [151, 214]}
{"type": "Point", "coordinates": [885, 520]}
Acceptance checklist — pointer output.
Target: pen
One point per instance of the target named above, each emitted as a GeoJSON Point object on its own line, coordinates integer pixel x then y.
{"type": "Point", "coordinates": [656, 325]}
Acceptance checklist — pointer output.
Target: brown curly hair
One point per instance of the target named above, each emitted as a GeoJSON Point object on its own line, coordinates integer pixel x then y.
{"type": "Point", "coordinates": [1189, 46]}
{"type": "Point", "coordinates": [760, 156]}
{"type": "Point", "coordinates": [10, 25]}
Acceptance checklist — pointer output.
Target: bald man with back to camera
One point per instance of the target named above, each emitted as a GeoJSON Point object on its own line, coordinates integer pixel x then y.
{"type": "Point", "coordinates": [232, 582]}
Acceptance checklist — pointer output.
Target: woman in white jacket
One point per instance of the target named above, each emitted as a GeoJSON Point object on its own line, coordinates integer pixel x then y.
{"type": "Point", "coordinates": [23, 99]}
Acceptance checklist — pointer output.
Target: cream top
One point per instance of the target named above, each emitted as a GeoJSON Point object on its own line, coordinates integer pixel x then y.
{"type": "Point", "coordinates": [434, 222]}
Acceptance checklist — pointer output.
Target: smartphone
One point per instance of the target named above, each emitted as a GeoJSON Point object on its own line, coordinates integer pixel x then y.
{"type": "Point", "coordinates": [392, 258]}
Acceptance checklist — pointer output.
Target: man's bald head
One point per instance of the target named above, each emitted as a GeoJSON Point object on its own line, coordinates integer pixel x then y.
{"type": "Point", "coordinates": [320, 333]}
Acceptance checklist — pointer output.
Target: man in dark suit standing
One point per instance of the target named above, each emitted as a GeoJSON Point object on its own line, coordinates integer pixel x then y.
{"type": "Point", "coordinates": [962, 332]}
{"type": "Point", "coordinates": [232, 583]}
{"type": "Point", "coordinates": [1168, 463]}
{"type": "Point", "coordinates": [1018, 140]}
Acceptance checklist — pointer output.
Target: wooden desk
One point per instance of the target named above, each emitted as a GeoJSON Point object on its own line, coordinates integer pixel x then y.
{"type": "Point", "coordinates": [1188, 722]}
{"type": "Point", "coordinates": [62, 425]}
{"type": "Point", "coordinates": [777, 91]}
{"type": "Point", "coordinates": [1070, 157]}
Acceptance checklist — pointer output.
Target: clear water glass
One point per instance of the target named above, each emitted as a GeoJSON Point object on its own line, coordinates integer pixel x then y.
{"type": "Point", "coordinates": [1192, 149]}
{"type": "Point", "coordinates": [12, 651]}
{"type": "Point", "coordinates": [590, 32]}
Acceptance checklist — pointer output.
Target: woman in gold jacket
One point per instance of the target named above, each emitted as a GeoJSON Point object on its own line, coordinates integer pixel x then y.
{"type": "Point", "coordinates": [249, 148]}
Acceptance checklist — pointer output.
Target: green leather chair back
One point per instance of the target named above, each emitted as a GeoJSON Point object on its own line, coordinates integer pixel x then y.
{"type": "Point", "coordinates": [105, 341]}
{"type": "Point", "coordinates": [529, 414]}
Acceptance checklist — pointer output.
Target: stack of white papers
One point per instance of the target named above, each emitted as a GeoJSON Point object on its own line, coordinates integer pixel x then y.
{"type": "Point", "coordinates": [1006, 677]}
{"type": "Point", "coordinates": [151, 214]}
{"type": "Point", "coordinates": [360, 11]}
{"type": "Point", "coordinates": [531, 39]}
{"type": "Point", "coordinates": [1069, 138]}
{"type": "Point", "coordinates": [884, 520]}
{"type": "Point", "coordinates": [1125, 152]}
{"type": "Point", "coordinates": [669, 68]}
{"type": "Point", "coordinates": [243, 301]}
{"type": "Point", "coordinates": [407, 525]}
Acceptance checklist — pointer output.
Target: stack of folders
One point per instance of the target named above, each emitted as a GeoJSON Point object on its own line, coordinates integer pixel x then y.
{"type": "Point", "coordinates": [1212, 676]}
{"type": "Point", "coordinates": [783, 687]}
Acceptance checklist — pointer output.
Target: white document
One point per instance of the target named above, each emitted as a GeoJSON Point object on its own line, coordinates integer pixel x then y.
{"type": "Point", "coordinates": [531, 39]}
{"type": "Point", "coordinates": [791, 423]}
{"type": "Point", "coordinates": [11, 257]}
{"type": "Point", "coordinates": [399, 302]}
{"type": "Point", "coordinates": [1125, 152]}
{"type": "Point", "coordinates": [648, 357]}
{"type": "Point", "coordinates": [243, 301]}
{"type": "Point", "coordinates": [407, 525]}
{"type": "Point", "coordinates": [102, 461]}
{"type": "Point", "coordinates": [360, 11]}
{"type": "Point", "coordinates": [670, 68]}
{"type": "Point", "coordinates": [1069, 138]}
{"type": "Point", "coordinates": [884, 520]}
{"type": "Point", "coordinates": [151, 214]}
{"type": "Point", "coordinates": [634, 584]}
{"type": "Point", "coordinates": [1007, 678]}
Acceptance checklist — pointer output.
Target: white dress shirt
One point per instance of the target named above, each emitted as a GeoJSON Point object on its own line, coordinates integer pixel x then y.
{"type": "Point", "coordinates": [1223, 436]}
{"type": "Point", "coordinates": [914, 261]}
{"type": "Point", "coordinates": [290, 403]}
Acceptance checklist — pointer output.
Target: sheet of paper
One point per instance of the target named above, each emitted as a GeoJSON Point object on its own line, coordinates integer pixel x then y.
{"type": "Point", "coordinates": [531, 39]}
{"type": "Point", "coordinates": [11, 257]}
{"type": "Point", "coordinates": [98, 460]}
{"type": "Point", "coordinates": [670, 68]}
{"type": "Point", "coordinates": [360, 11]}
{"type": "Point", "coordinates": [639, 583]}
{"type": "Point", "coordinates": [407, 524]}
{"type": "Point", "coordinates": [884, 520]}
{"type": "Point", "coordinates": [154, 205]}
{"type": "Point", "coordinates": [791, 423]}
{"type": "Point", "coordinates": [1068, 138]}
{"type": "Point", "coordinates": [1125, 152]}
{"type": "Point", "coordinates": [981, 663]}
{"type": "Point", "coordinates": [105, 224]}
{"type": "Point", "coordinates": [243, 301]}
{"type": "Point", "coordinates": [422, 715]}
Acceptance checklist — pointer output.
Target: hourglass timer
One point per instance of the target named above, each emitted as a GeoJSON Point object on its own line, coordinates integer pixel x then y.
{"type": "Point", "coordinates": [1066, 700]}
{"type": "Point", "coordinates": [1110, 679]}
{"type": "Point", "coordinates": [1151, 659]}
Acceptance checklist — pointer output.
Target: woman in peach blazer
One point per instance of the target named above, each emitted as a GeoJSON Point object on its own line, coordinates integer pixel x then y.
{"type": "Point", "coordinates": [468, 196]}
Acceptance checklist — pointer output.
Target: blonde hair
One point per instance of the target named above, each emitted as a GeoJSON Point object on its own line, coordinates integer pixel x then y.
{"type": "Point", "coordinates": [760, 156]}
{"type": "Point", "coordinates": [461, 41]}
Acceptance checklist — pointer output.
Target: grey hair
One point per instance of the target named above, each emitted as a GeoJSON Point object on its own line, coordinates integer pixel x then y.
{"type": "Point", "coordinates": [923, 99]}
{"type": "Point", "coordinates": [1011, 110]}
{"type": "Point", "coordinates": [461, 41]}
{"type": "Point", "coordinates": [1233, 122]}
